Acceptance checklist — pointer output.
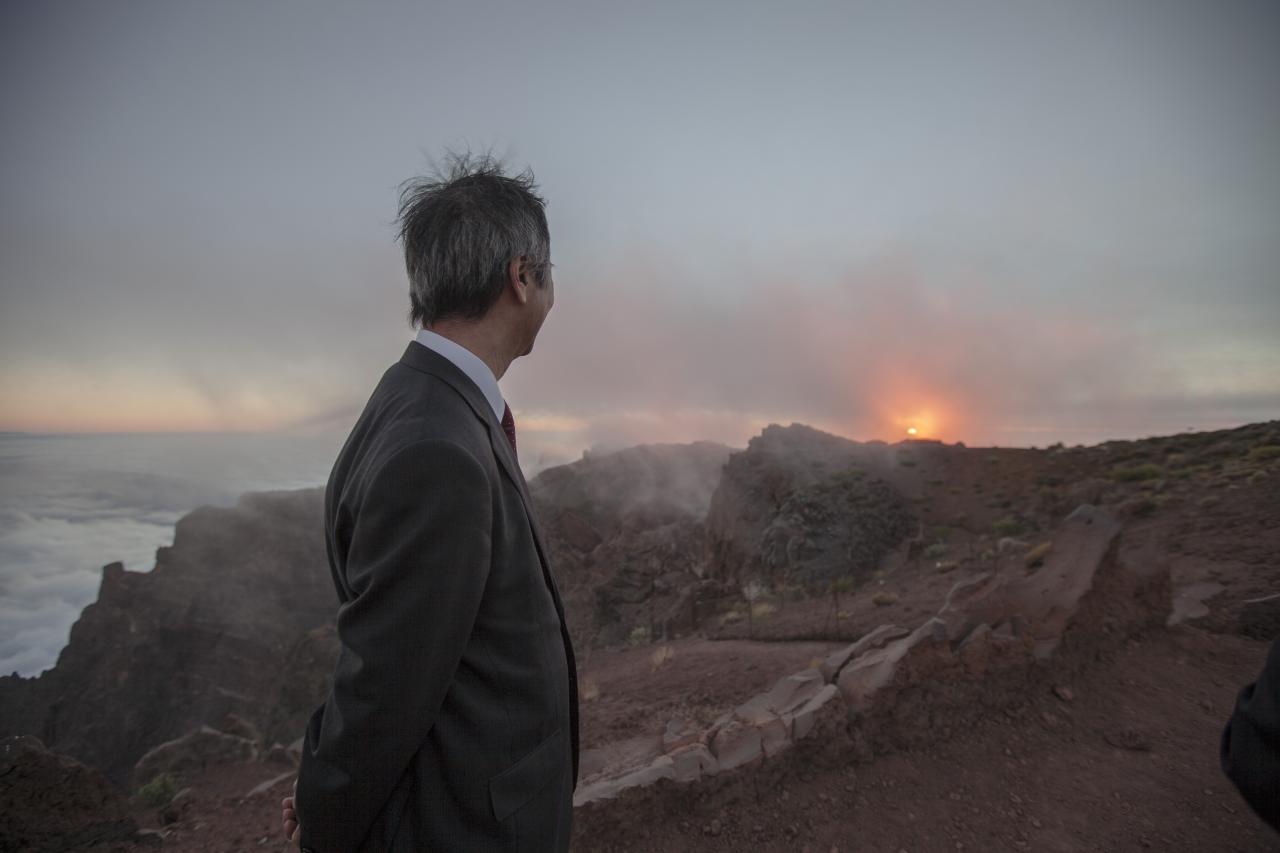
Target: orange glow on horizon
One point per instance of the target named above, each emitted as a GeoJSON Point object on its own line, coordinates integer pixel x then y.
{"type": "Point", "coordinates": [913, 408]}
{"type": "Point", "coordinates": [57, 400]}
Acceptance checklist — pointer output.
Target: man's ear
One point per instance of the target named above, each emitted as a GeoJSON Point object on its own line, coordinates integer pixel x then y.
{"type": "Point", "coordinates": [517, 279]}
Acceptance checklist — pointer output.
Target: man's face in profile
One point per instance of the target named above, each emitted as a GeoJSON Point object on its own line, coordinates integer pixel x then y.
{"type": "Point", "coordinates": [541, 298]}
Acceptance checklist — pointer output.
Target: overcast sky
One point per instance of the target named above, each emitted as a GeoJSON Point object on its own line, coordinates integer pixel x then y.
{"type": "Point", "coordinates": [1003, 223]}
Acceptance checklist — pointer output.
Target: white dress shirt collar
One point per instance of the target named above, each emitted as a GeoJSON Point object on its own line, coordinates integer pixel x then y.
{"type": "Point", "coordinates": [469, 363]}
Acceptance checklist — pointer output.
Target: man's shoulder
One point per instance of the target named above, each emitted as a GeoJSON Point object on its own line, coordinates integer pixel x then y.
{"type": "Point", "coordinates": [426, 412]}
{"type": "Point", "coordinates": [411, 413]}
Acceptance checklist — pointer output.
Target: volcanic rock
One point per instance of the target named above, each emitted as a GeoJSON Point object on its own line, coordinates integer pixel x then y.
{"type": "Point", "coordinates": [54, 802]}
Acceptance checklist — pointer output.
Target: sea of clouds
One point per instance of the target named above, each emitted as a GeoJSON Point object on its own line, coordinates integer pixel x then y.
{"type": "Point", "coordinates": [70, 504]}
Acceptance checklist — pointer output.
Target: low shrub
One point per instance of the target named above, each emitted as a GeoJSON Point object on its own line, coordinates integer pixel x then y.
{"type": "Point", "coordinates": [1133, 473]}
{"type": "Point", "coordinates": [159, 791]}
{"type": "Point", "coordinates": [1007, 526]}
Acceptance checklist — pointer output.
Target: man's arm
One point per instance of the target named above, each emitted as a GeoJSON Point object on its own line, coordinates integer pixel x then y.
{"type": "Point", "coordinates": [418, 562]}
{"type": "Point", "coordinates": [1250, 744]}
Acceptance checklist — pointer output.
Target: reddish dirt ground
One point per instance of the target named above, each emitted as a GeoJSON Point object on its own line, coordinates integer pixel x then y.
{"type": "Point", "coordinates": [699, 681]}
{"type": "Point", "coordinates": [1045, 777]}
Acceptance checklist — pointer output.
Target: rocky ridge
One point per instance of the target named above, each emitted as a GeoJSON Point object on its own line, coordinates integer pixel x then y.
{"type": "Point", "coordinates": [1181, 519]}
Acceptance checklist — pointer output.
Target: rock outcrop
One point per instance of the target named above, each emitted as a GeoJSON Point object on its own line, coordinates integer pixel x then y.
{"type": "Point", "coordinates": [799, 506]}
{"type": "Point", "coordinates": [212, 630]}
{"type": "Point", "coordinates": [52, 802]}
{"type": "Point", "coordinates": [626, 535]}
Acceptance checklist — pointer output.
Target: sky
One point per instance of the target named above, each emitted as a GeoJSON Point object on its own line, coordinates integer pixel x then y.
{"type": "Point", "coordinates": [1000, 223]}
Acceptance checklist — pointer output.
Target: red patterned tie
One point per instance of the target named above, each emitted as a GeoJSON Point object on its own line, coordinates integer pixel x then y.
{"type": "Point", "coordinates": [509, 427]}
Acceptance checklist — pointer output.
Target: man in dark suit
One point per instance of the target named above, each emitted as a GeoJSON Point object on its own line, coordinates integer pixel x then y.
{"type": "Point", "coordinates": [452, 721]}
{"type": "Point", "coordinates": [1249, 748]}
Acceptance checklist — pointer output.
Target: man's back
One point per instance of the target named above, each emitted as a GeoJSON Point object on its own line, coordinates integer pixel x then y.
{"type": "Point", "coordinates": [452, 723]}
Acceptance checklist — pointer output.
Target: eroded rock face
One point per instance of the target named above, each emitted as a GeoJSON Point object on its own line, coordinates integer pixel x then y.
{"type": "Point", "coordinates": [801, 506]}
{"type": "Point", "coordinates": [626, 536]}
{"type": "Point", "coordinates": [53, 802]}
{"type": "Point", "coordinates": [873, 639]}
{"type": "Point", "coordinates": [737, 742]}
{"type": "Point", "coordinates": [662, 767]}
{"type": "Point", "coordinates": [208, 632]}
{"type": "Point", "coordinates": [645, 575]}
{"type": "Point", "coordinates": [1047, 599]}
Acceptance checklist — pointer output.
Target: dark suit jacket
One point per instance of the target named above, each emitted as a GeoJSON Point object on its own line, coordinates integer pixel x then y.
{"type": "Point", "coordinates": [1250, 746]}
{"type": "Point", "coordinates": [452, 720]}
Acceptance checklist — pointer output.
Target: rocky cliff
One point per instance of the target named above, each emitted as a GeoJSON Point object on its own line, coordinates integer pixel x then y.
{"type": "Point", "coordinates": [800, 506]}
{"type": "Point", "coordinates": [224, 624]}
{"type": "Point", "coordinates": [626, 536]}
{"type": "Point", "coordinates": [236, 621]}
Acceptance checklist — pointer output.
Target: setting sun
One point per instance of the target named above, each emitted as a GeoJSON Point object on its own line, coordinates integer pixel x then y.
{"type": "Point", "coordinates": [911, 430]}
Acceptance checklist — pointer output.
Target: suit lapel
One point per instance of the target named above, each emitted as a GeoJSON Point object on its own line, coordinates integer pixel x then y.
{"type": "Point", "coordinates": [427, 360]}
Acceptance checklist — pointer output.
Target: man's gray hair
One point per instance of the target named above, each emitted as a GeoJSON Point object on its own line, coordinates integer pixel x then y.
{"type": "Point", "coordinates": [461, 227]}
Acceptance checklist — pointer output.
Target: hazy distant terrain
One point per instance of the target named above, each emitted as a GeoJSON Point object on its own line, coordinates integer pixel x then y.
{"type": "Point", "coordinates": [69, 504]}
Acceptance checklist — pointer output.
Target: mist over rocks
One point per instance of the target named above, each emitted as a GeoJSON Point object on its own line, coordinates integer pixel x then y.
{"type": "Point", "coordinates": [643, 487]}
{"type": "Point", "coordinates": [210, 631]}
{"type": "Point", "coordinates": [803, 506]}
{"type": "Point", "coordinates": [625, 531]}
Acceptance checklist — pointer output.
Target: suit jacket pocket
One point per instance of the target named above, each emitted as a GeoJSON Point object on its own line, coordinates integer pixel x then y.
{"type": "Point", "coordinates": [516, 785]}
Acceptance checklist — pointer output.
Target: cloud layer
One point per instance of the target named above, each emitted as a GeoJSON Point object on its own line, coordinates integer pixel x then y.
{"type": "Point", "coordinates": [960, 355]}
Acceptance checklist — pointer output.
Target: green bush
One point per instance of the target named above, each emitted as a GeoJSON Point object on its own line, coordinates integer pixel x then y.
{"type": "Point", "coordinates": [937, 549]}
{"type": "Point", "coordinates": [1133, 473]}
{"type": "Point", "coordinates": [1265, 451]}
{"type": "Point", "coordinates": [159, 791]}
{"type": "Point", "coordinates": [639, 636]}
{"type": "Point", "coordinates": [1007, 526]}
{"type": "Point", "coordinates": [843, 584]}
